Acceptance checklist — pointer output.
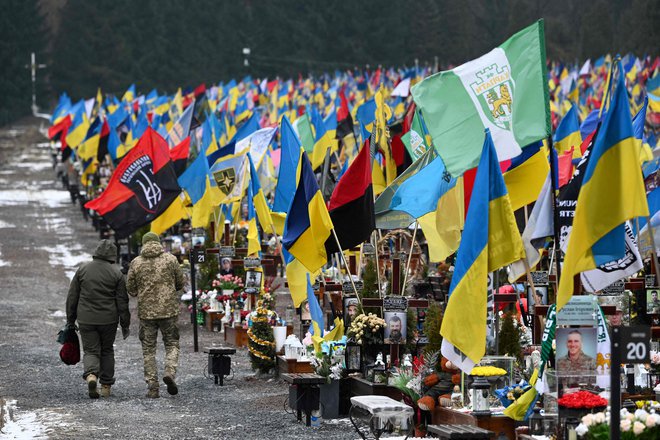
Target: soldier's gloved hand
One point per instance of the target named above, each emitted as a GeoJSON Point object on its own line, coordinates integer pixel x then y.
{"type": "Point", "coordinates": [125, 332]}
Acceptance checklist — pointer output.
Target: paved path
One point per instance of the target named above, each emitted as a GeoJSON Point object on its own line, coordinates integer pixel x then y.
{"type": "Point", "coordinates": [43, 238]}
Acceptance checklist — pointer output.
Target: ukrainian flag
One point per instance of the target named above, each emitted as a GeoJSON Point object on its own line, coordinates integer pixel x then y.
{"type": "Point", "coordinates": [289, 158]}
{"type": "Point", "coordinates": [527, 174]}
{"type": "Point", "coordinates": [490, 241]}
{"type": "Point", "coordinates": [195, 181]}
{"type": "Point", "coordinates": [568, 134]}
{"type": "Point", "coordinates": [612, 192]}
{"type": "Point", "coordinates": [129, 95]}
{"type": "Point", "coordinates": [254, 242]}
{"type": "Point", "coordinates": [326, 137]}
{"type": "Point", "coordinates": [308, 224]}
{"type": "Point", "coordinates": [259, 199]}
{"type": "Point", "coordinates": [172, 215]}
{"type": "Point", "coordinates": [79, 126]}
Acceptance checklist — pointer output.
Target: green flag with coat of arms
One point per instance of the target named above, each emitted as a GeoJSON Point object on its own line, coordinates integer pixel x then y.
{"type": "Point", "coordinates": [505, 90]}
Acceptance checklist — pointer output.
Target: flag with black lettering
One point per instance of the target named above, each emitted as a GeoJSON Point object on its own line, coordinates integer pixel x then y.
{"type": "Point", "coordinates": [142, 186]}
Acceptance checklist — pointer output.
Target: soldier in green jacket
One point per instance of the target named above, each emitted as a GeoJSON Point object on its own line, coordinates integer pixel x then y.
{"type": "Point", "coordinates": [97, 300]}
{"type": "Point", "coordinates": [155, 278]}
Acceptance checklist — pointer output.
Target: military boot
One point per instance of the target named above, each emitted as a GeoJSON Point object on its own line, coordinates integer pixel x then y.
{"type": "Point", "coordinates": [105, 390]}
{"type": "Point", "coordinates": [153, 392]}
{"type": "Point", "coordinates": [91, 386]}
{"type": "Point", "coordinates": [171, 385]}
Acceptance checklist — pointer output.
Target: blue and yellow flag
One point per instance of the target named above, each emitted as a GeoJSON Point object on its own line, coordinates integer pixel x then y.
{"type": "Point", "coordinates": [527, 174]}
{"type": "Point", "coordinates": [195, 181]}
{"type": "Point", "coordinates": [315, 311]}
{"type": "Point", "coordinates": [259, 200]}
{"type": "Point", "coordinates": [287, 177]}
{"type": "Point", "coordinates": [490, 240]}
{"type": "Point", "coordinates": [254, 242]}
{"type": "Point", "coordinates": [612, 192]}
{"type": "Point", "coordinates": [79, 125]}
{"type": "Point", "coordinates": [129, 95]}
{"type": "Point", "coordinates": [308, 224]}
{"type": "Point", "coordinates": [568, 134]}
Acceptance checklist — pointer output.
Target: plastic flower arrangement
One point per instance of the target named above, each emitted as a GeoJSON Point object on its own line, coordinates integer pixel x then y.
{"type": "Point", "coordinates": [228, 282]}
{"type": "Point", "coordinates": [325, 367]}
{"type": "Point", "coordinates": [203, 298]}
{"type": "Point", "coordinates": [640, 425]}
{"type": "Point", "coordinates": [367, 329]}
{"type": "Point", "coordinates": [488, 371]}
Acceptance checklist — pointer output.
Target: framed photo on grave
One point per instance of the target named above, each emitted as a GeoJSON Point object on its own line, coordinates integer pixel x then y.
{"type": "Point", "coordinates": [395, 313]}
{"type": "Point", "coordinates": [350, 309]}
{"type": "Point", "coordinates": [653, 301]}
{"type": "Point", "coordinates": [577, 350]}
{"type": "Point", "coordinates": [253, 281]}
{"type": "Point", "coordinates": [305, 314]}
{"type": "Point", "coordinates": [353, 358]}
{"type": "Point", "coordinates": [541, 293]}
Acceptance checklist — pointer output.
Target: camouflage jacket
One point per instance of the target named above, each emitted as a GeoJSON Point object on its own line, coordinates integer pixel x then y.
{"type": "Point", "coordinates": [155, 277]}
{"type": "Point", "coordinates": [583, 363]}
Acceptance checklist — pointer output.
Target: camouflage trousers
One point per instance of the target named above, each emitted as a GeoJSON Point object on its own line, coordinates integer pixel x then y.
{"type": "Point", "coordinates": [149, 337]}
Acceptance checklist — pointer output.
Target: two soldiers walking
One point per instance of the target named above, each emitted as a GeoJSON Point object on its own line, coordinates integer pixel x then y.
{"type": "Point", "coordinates": [98, 300]}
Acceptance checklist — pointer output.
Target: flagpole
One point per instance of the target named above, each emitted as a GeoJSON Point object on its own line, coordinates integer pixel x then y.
{"type": "Point", "coordinates": [324, 174]}
{"type": "Point", "coordinates": [412, 244]}
{"type": "Point", "coordinates": [530, 280]}
{"type": "Point", "coordinates": [654, 255]}
{"type": "Point", "coordinates": [377, 263]}
{"type": "Point", "coordinates": [350, 277]}
{"type": "Point", "coordinates": [239, 214]}
{"type": "Point", "coordinates": [555, 211]}
{"type": "Point", "coordinates": [278, 245]}
{"type": "Point", "coordinates": [359, 265]}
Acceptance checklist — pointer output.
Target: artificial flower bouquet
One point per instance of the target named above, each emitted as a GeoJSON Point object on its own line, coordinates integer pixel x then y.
{"type": "Point", "coordinates": [488, 371]}
{"type": "Point", "coordinates": [581, 400]}
{"type": "Point", "coordinates": [367, 329]}
{"type": "Point", "coordinates": [228, 282]}
{"type": "Point", "coordinates": [327, 366]}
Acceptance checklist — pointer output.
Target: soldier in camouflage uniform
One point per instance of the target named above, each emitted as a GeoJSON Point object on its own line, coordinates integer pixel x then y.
{"type": "Point", "coordinates": [575, 361]}
{"type": "Point", "coordinates": [155, 277]}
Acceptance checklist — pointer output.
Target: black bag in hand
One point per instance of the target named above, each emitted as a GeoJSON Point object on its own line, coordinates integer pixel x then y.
{"type": "Point", "coordinates": [70, 351]}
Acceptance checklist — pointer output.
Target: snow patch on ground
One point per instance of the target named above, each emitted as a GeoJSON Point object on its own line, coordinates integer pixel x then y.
{"type": "Point", "coordinates": [68, 256]}
{"type": "Point", "coordinates": [58, 314]}
{"type": "Point", "coordinates": [6, 225]}
{"type": "Point", "coordinates": [3, 263]}
{"type": "Point", "coordinates": [20, 425]}
{"type": "Point", "coordinates": [49, 197]}
{"type": "Point", "coordinates": [33, 166]}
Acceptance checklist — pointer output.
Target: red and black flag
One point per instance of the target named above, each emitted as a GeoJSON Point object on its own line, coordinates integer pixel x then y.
{"type": "Point", "coordinates": [344, 119]}
{"type": "Point", "coordinates": [141, 187]}
{"type": "Point", "coordinates": [179, 156]}
{"type": "Point", "coordinates": [351, 206]}
{"type": "Point", "coordinates": [102, 152]}
{"type": "Point", "coordinates": [59, 132]}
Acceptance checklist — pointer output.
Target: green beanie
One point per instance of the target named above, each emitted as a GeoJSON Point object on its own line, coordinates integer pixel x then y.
{"type": "Point", "coordinates": [150, 236]}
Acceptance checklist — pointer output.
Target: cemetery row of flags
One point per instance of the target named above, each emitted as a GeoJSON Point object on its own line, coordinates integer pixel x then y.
{"type": "Point", "coordinates": [457, 152]}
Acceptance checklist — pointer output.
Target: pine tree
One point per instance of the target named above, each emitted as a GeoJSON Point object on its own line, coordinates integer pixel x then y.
{"type": "Point", "coordinates": [509, 338]}
{"type": "Point", "coordinates": [432, 326]}
{"type": "Point", "coordinates": [262, 341]}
